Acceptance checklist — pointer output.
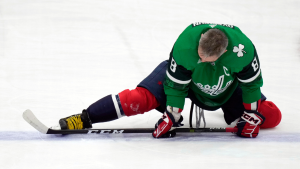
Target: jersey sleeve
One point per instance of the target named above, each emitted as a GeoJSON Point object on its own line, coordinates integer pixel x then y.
{"type": "Point", "coordinates": [250, 81]}
{"type": "Point", "coordinates": [176, 83]}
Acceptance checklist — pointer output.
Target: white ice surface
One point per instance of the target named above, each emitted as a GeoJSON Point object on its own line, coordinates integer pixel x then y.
{"type": "Point", "coordinates": [58, 57]}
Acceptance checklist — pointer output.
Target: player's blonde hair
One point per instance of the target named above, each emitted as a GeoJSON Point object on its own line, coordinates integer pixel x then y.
{"type": "Point", "coordinates": [213, 42]}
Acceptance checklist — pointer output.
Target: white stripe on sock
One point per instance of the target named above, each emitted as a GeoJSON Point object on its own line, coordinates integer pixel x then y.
{"type": "Point", "coordinates": [116, 106]}
{"type": "Point", "coordinates": [254, 106]}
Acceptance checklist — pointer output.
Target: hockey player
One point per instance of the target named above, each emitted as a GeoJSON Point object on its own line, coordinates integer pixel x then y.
{"type": "Point", "coordinates": [214, 65]}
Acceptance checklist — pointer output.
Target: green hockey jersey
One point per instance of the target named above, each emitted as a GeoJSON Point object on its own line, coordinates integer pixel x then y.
{"type": "Point", "coordinates": [212, 83]}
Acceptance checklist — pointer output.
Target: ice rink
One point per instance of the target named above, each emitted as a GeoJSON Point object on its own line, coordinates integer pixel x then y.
{"type": "Point", "coordinates": [58, 57]}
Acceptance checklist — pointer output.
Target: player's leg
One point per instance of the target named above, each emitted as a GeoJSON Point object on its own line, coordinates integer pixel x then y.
{"type": "Point", "coordinates": [234, 109]}
{"type": "Point", "coordinates": [112, 107]}
{"type": "Point", "coordinates": [147, 96]}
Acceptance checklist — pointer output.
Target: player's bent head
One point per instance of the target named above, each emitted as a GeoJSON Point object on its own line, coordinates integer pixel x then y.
{"type": "Point", "coordinates": [213, 43]}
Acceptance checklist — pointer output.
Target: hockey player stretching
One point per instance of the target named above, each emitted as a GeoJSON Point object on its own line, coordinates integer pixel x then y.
{"type": "Point", "coordinates": [214, 65]}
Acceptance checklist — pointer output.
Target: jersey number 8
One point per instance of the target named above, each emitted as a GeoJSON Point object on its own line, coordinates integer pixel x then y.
{"type": "Point", "coordinates": [255, 64]}
{"type": "Point", "coordinates": [173, 65]}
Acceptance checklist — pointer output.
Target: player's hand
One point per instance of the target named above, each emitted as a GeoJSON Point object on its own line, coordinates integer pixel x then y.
{"type": "Point", "coordinates": [165, 124]}
{"type": "Point", "coordinates": [249, 124]}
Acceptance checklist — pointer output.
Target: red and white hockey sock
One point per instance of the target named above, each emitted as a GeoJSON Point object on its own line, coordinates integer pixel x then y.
{"type": "Point", "coordinates": [137, 101]}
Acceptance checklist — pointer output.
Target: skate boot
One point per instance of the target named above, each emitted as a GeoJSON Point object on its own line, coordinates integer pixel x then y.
{"type": "Point", "coordinates": [77, 121]}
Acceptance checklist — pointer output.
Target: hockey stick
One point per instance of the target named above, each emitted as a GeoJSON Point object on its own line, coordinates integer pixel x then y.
{"type": "Point", "coordinates": [34, 122]}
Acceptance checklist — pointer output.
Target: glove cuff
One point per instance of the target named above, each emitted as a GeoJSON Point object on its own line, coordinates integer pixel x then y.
{"type": "Point", "coordinates": [252, 106]}
{"type": "Point", "coordinates": [175, 124]}
{"type": "Point", "coordinates": [176, 113]}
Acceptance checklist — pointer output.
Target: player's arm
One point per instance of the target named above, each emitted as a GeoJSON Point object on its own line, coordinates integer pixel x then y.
{"type": "Point", "coordinates": [177, 80]}
{"type": "Point", "coordinates": [176, 89]}
{"type": "Point", "coordinates": [250, 81]}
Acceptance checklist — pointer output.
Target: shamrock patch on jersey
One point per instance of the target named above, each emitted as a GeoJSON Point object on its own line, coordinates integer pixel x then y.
{"type": "Point", "coordinates": [239, 50]}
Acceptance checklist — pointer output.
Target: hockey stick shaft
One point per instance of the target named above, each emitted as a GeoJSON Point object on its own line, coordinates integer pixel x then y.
{"type": "Point", "coordinates": [136, 130]}
{"type": "Point", "coordinates": [34, 122]}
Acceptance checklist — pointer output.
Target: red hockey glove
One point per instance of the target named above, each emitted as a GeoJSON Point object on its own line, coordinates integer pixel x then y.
{"type": "Point", "coordinates": [164, 125]}
{"type": "Point", "coordinates": [248, 125]}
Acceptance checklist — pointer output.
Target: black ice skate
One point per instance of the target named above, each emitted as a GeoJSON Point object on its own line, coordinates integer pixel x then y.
{"type": "Point", "coordinates": [77, 121]}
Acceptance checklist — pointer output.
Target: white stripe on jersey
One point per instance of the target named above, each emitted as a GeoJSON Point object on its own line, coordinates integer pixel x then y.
{"type": "Point", "coordinates": [251, 79]}
{"type": "Point", "coordinates": [176, 80]}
